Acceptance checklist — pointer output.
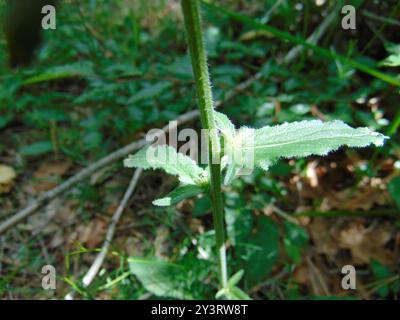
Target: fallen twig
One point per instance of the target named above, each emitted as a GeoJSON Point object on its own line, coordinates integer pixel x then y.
{"type": "Point", "coordinates": [95, 267]}
{"type": "Point", "coordinates": [83, 174]}
{"type": "Point", "coordinates": [314, 37]}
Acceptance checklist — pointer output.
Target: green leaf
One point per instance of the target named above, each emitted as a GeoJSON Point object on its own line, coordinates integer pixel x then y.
{"type": "Point", "coordinates": [394, 59]}
{"type": "Point", "coordinates": [300, 139]}
{"type": "Point", "coordinates": [37, 148]}
{"type": "Point", "coordinates": [162, 278]}
{"type": "Point", "coordinates": [379, 270]}
{"type": "Point", "coordinates": [381, 273]}
{"type": "Point", "coordinates": [230, 174]}
{"type": "Point", "coordinates": [201, 206]}
{"type": "Point", "coordinates": [166, 158]}
{"type": "Point", "coordinates": [235, 293]}
{"type": "Point", "coordinates": [234, 280]}
{"type": "Point", "coordinates": [300, 109]}
{"type": "Point", "coordinates": [92, 140]}
{"type": "Point", "coordinates": [82, 68]}
{"type": "Point", "coordinates": [227, 128]}
{"type": "Point", "coordinates": [394, 190]}
{"type": "Point", "coordinates": [238, 217]}
{"type": "Point", "coordinates": [391, 61]}
{"type": "Point", "coordinates": [49, 114]}
{"type": "Point", "coordinates": [150, 91]}
{"type": "Point", "coordinates": [259, 251]}
{"type": "Point", "coordinates": [179, 194]}
{"type": "Point", "coordinates": [295, 239]}
{"type": "Point", "coordinates": [247, 147]}
{"type": "Point", "coordinates": [224, 125]}
{"type": "Point", "coordinates": [4, 120]}
{"type": "Point", "coordinates": [304, 138]}
{"type": "Point", "coordinates": [232, 292]}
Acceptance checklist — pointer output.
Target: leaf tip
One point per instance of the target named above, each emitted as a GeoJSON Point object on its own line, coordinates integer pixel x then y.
{"type": "Point", "coordinates": [163, 202]}
{"type": "Point", "coordinates": [128, 162]}
{"type": "Point", "coordinates": [379, 139]}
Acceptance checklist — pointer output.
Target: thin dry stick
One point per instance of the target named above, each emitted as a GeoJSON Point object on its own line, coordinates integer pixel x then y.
{"type": "Point", "coordinates": [283, 214]}
{"type": "Point", "coordinates": [85, 173]}
{"type": "Point", "coordinates": [314, 37]}
{"type": "Point", "coordinates": [112, 157]}
{"type": "Point", "coordinates": [95, 267]}
{"type": "Point", "coordinates": [121, 153]}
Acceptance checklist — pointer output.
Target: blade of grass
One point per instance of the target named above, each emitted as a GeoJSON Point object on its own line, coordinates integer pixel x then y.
{"type": "Point", "coordinates": [345, 213]}
{"type": "Point", "coordinates": [394, 125]}
{"type": "Point", "coordinates": [386, 20]}
{"type": "Point", "coordinates": [301, 41]}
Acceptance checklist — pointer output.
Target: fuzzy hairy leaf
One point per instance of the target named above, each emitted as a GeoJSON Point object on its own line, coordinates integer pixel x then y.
{"type": "Point", "coordinates": [230, 174]}
{"type": "Point", "coordinates": [227, 129]}
{"type": "Point", "coordinates": [168, 159]}
{"type": "Point", "coordinates": [299, 139]}
{"type": "Point", "coordinates": [224, 125]}
{"type": "Point", "coordinates": [177, 195]}
{"type": "Point", "coordinates": [304, 138]}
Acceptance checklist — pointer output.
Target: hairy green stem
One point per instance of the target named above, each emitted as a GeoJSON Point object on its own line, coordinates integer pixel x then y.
{"type": "Point", "coordinates": [198, 56]}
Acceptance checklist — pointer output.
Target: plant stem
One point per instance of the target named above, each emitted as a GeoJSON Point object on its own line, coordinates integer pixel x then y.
{"type": "Point", "coordinates": [198, 56]}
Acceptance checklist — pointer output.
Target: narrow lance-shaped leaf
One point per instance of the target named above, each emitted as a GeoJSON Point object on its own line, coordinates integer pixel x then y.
{"type": "Point", "coordinates": [300, 139]}
{"type": "Point", "coordinates": [168, 159]}
{"type": "Point", "coordinates": [179, 194]}
{"type": "Point", "coordinates": [249, 147]}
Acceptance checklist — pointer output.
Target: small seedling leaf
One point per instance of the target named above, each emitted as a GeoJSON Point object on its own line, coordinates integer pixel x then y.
{"type": "Point", "coordinates": [177, 195]}
{"type": "Point", "coordinates": [234, 280]}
